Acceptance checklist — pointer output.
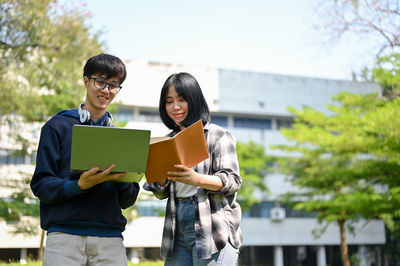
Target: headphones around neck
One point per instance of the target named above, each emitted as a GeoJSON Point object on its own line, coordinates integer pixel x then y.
{"type": "Point", "coordinates": [85, 116]}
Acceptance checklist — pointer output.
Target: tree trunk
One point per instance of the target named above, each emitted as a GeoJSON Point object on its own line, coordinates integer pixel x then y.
{"type": "Point", "coordinates": [41, 248]}
{"type": "Point", "coordinates": [343, 245]}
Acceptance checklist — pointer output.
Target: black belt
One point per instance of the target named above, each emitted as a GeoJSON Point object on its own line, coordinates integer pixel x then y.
{"type": "Point", "coordinates": [194, 197]}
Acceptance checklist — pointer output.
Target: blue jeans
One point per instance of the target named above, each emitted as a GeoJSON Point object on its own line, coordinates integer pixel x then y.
{"type": "Point", "coordinates": [184, 253]}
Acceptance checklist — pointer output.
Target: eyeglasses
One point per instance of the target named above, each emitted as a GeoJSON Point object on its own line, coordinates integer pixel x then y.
{"type": "Point", "coordinates": [100, 84]}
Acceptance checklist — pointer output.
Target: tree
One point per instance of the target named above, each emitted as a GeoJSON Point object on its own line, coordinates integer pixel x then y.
{"type": "Point", "coordinates": [348, 167]}
{"type": "Point", "coordinates": [42, 50]}
{"type": "Point", "coordinates": [22, 207]}
{"type": "Point", "coordinates": [253, 164]}
{"type": "Point", "coordinates": [387, 74]}
{"type": "Point", "coordinates": [375, 20]}
{"type": "Point", "coordinates": [43, 46]}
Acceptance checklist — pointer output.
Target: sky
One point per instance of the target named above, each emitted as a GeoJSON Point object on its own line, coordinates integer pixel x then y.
{"type": "Point", "coordinates": [274, 36]}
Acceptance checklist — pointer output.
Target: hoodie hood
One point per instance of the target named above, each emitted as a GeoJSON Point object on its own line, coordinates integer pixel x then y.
{"type": "Point", "coordinates": [71, 113]}
{"type": "Point", "coordinates": [75, 114]}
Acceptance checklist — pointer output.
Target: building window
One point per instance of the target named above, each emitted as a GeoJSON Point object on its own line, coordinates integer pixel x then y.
{"type": "Point", "coordinates": [149, 116]}
{"type": "Point", "coordinates": [220, 120]}
{"type": "Point", "coordinates": [253, 123]}
{"type": "Point", "coordinates": [263, 210]}
{"type": "Point", "coordinates": [300, 213]}
{"type": "Point", "coordinates": [13, 157]}
{"type": "Point", "coordinates": [284, 123]}
{"type": "Point", "coordinates": [124, 115]}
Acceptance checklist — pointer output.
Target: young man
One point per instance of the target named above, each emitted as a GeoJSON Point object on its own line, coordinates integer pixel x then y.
{"type": "Point", "coordinates": [82, 214]}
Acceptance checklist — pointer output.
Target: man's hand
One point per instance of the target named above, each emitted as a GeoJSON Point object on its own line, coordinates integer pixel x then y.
{"type": "Point", "coordinates": [91, 177]}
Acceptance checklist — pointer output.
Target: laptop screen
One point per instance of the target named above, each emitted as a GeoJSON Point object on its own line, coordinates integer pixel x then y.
{"type": "Point", "coordinates": [101, 146]}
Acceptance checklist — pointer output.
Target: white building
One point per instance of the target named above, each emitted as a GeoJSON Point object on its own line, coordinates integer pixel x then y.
{"type": "Point", "coordinates": [253, 107]}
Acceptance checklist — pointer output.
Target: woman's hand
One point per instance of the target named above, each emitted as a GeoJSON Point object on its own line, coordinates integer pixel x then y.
{"type": "Point", "coordinates": [91, 177]}
{"type": "Point", "coordinates": [188, 176]}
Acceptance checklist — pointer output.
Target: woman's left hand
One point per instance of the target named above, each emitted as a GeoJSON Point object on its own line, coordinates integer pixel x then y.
{"type": "Point", "coordinates": [186, 175]}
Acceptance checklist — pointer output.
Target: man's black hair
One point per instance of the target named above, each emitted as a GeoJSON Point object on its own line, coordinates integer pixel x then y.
{"type": "Point", "coordinates": [107, 65]}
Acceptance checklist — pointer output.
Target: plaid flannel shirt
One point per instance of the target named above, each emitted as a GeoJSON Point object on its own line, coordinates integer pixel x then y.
{"type": "Point", "coordinates": [219, 214]}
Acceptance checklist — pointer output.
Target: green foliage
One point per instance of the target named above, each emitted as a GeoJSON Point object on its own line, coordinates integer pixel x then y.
{"type": "Point", "coordinates": [43, 47]}
{"type": "Point", "coordinates": [253, 167]}
{"type": "Point", "coordinates": [346, 164]}
{"type": "Point", "coordinates": [387, 74]}
{"type": "Point", "coordinates": [19, 205]}
{"type": "Point", "coordinates": [391, 247]}
{"type": "Point", "coordinates": [355, 260]}
{"type": "Point", "coordinates": [349, 161]}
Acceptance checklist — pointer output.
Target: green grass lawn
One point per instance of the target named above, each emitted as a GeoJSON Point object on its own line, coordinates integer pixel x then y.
{"type": "Point", "coordinates": [150, 263]}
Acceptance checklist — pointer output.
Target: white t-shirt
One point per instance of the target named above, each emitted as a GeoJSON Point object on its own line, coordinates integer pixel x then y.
{"type": "Point", "coordinates": [184, 190]}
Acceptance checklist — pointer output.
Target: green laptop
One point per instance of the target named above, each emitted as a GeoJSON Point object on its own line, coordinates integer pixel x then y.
{"type": "Point", "coordinates": [101, 146]}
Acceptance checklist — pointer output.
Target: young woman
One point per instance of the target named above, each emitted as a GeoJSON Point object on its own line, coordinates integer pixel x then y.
{"type": "Point", "coordinates": [202, 216]}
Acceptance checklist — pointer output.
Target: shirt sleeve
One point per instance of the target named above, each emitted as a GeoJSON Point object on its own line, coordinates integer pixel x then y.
{"type": "Point", "coordinates": [127, 194]}
{"type": "Point", "coordinates": [225, 163]}
{"type": "Point", "coordinates": [161, 192]}
{"type": "Point", "coordinates": [45, 183]}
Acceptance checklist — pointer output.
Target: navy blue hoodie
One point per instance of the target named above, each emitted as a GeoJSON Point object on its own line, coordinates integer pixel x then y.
{"type": "Point", "coordinates": [64, 207]}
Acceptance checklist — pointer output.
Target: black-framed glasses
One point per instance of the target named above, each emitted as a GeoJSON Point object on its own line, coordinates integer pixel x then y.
{"type": "Point", "coordinates": [101, 83]}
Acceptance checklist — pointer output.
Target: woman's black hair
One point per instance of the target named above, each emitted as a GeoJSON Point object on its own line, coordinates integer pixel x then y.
{"type": "Point", "coordinates": [187, 87]}
{"type": "Point", "coordinates": [107, 65]}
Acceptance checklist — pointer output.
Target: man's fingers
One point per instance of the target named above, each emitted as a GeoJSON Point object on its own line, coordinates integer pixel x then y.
{"type": "Point", "coordinates": [108, 169]}
{"type": "Point", "coordinates": [107, 176]}
{"type": "Point", "coordinates": [91, 171]}
{"type": "Point", "coordinates": [93, 176]}
{"type": "Point", "coordinates": [115, 176]}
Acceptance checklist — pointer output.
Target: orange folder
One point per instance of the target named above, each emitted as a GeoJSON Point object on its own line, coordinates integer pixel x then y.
{"type": "Point", "coordinates": [188, 147]}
